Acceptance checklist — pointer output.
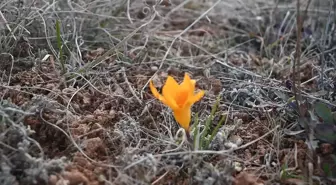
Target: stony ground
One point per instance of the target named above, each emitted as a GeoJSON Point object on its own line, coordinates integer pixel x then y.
{"type": "Point", "coordinates": [76, 107]}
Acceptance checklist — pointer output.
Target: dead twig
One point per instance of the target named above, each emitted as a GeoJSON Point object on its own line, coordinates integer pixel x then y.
{"type": "Point", "coordinates": [7, 25]}
{"type": "Point", "coordinates": [296, 89]}
{"type": "Point", "coordinates": [130, 86]}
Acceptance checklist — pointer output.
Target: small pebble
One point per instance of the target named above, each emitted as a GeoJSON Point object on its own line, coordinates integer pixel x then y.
{"type": "Point", "coordinates": [230, 145]}
{"type": "Point", "coordinates": [237, 166]}
{"type": "Point", "coordinates": [236, 140]}
{"type": "Point", "coordinates": [154, 68]}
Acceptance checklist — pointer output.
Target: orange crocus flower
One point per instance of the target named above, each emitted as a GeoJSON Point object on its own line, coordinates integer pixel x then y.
{"type": "Point", "coordinates": [179, 97]}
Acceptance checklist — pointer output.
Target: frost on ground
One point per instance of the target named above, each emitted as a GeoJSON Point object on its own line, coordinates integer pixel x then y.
{"type": "Point", "coordinates": [76, 108]}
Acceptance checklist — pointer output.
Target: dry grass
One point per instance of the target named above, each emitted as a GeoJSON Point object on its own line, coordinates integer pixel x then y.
{"type": "Point", "coordinates": [76, 107]}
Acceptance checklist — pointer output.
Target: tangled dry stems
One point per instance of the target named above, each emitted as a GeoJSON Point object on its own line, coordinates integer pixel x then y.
{"type": "Point", "coordinates": [108, 89]}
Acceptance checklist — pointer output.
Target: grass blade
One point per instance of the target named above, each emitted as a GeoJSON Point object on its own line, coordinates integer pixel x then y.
{"type": "Point", "coordinates": [60, 45]}
{"type": "Point", "coordinates": [196, 132]}
{"type": "Point", "coordinates": [209, 121]}
{"type": "Point", "coordinates": [215, 131]}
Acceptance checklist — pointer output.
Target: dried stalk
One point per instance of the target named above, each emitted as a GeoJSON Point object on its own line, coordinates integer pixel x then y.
{"type": "Point", "coordinates": [297, 89]}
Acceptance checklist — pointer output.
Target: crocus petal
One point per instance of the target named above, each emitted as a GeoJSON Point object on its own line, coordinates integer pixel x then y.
{"type": "Point", "coordinates": [195, 98]}
{"type": "Point", "coordinates": [183, 117]}
{"type": "Point", "coordinates": [182, 97]}
{"type": "Point", "coordinates": [169, 92]}
{"type": "Point", "coordinates": [188, 83]}
{"type": "Point", "coordinates": [193, 84]}
{"type": "Point", "coordinates": [198, 96]}
{"type": "Point", "coordinates": [170, 86]}
{"type": "Point", "coordinates": [156, 93]}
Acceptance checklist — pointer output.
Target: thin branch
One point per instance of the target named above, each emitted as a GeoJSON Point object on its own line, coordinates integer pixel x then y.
{"type": "Point", "coordinates": [297, 89]}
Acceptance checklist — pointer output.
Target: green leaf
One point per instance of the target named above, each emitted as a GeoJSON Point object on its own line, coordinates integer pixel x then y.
{"type": "Point", "coordinates": [196, 132]}
{"type": "Point", "coordinates": [209, 122]}
{"type": "Point", "coordinates": [215, 131]}
{"type": "Point", "coordinates": [324, 112]}
{"type": "Point", "coordinates": [333, 170]}
{"type": "Point", "coordinates": [327, 169]}
{"type": "Point", "coordinates": [60, 45]}
{"type": "Point", "coordinates": [325, 132]}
